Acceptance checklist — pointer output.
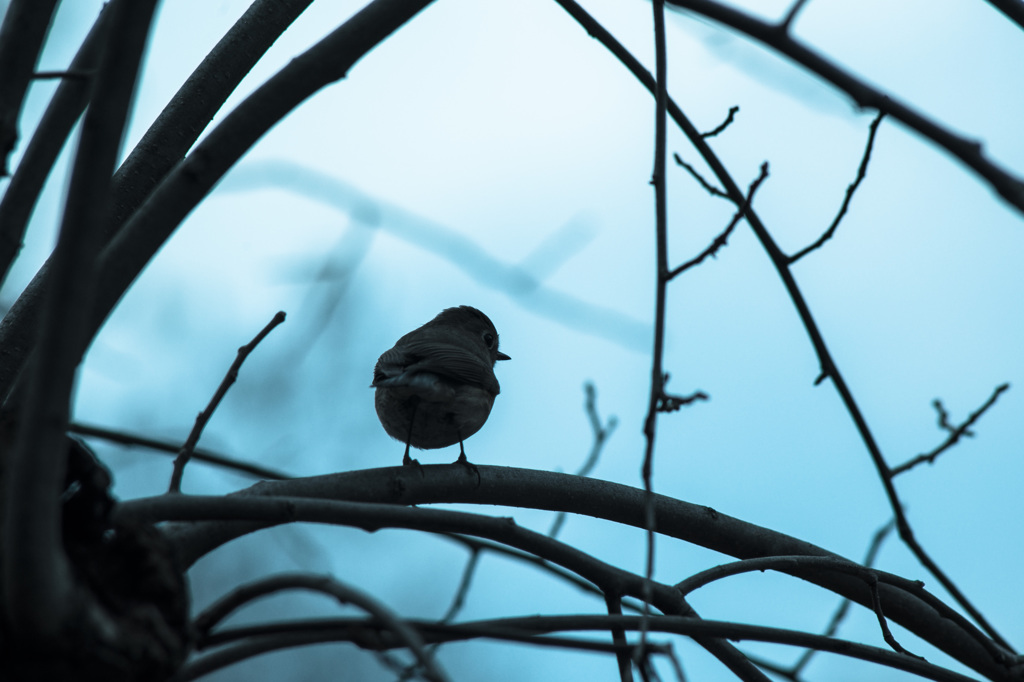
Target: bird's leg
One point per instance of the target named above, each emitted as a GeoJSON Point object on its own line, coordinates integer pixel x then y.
{"type": "Point", "coordinates": [466, 463]}
{"type": "Point", "coordinates": [407, 460]}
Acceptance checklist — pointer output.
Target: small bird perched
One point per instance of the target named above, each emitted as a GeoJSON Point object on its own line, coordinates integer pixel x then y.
{"type": "Point", "coordinates": [435, 388]}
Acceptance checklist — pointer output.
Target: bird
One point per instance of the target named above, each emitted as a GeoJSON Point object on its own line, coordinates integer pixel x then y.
{"type": "Point", "coordinates": [436, 386]}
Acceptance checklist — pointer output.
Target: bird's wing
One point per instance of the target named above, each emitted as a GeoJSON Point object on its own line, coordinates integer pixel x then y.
{"type": "Point", "coordinates": [446, 360]}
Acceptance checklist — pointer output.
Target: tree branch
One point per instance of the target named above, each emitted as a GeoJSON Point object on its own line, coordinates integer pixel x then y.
{"type": "Point", "coordinates": [512, 487]}
{"type": "Point", "coordinates": [955, 433]}
{"type": "Point", "coordinates": [39, 588]}
{"type": "Point", "coordinates": [185, 454]}
{"type": "Point", "coordinates": [777, 37]}
{"type": "Point", "coordinates": [22, 33]}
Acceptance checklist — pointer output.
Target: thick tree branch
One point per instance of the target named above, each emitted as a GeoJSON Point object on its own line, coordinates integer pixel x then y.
{"type": "Point", "coordinates": [600, 499]}
{"type": "Point", "coordinates": [21, 40]}
{"type": "Point", "coordinates": [39, 589]}
{"type": "Point", "coordinates": [42, 150]}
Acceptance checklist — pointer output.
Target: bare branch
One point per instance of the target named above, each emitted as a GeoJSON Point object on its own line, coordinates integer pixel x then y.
{"type": "Point", "coordinates": [969, 152]}
{"type": "Point", "coordinates": [21, 40]}
{"type": "Point", "coordinates": [601, 434]}
{"type": "Point", "coordinates": [840, 614]}
{"type": "Point", "coordinates": [912, 608]}
{"type": "Point", "coordinates": [708, 187]}
{"type": "Point", "coordinates": [733, 110]}
{"type": "Point", "coordinates": [720, 241]}
{"type": "Point", "coordinates": [132, 439]}
{"type": "Point", "coordinates": [622, 657]}
{"type": "Point", "coordinates": [787, 22]}
{"type": "Point", "coordinates": [185, 454]}
{"type": "Point", "coordinates": [38, 584]}
{"type": "Point", "coordinates": [955, 433]}
{"type": "Point", "coordinates": [861, 173]}
{"type": "Point", "coordinates": [407, 636]}
{"type": "Point", "coordinates": [658, 377]}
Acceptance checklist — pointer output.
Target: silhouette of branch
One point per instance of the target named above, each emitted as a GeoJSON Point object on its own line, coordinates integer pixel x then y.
{"type": "Point", "coordinates": [787, 22]}
{"type": "Point", "coordinates": [861, 173]}
{"type": "Point", "coordinates": [601, 434]}
{"type": "Point", "coordinates": [622, 657]}
{"type": "Point", "coordinates": [535, 630]}
{"type": "Point", "coordinates": [721, 126]}
{"type": "Point", "coordinates": [185, 454]}
{"type": "Point", "coordinates": [777, 37]}
{"type": "Point", "coordinates": [913, 608]}
{"type": "Point", "coordinates": [49, 138]}
{"type": "Point", "coordinates": [22, 35]}
{"type": "Point", "coordinates": [374, 516]}
{"type": "Point", "coordinates": [658, 376]}
{"type": "Point", "coordinates": [38, 582]}
{"type": "Point", "coordinates": [844, 607]}
{"type": "Point", "coordinates": [955, 433]}
{"type": "Point", "coordinates": [405, 635]}
{"type": "Point", "coordinates": [131, 439]}
{"type": "Point", "coordinates": [708, 187]}
{"type": "Point", "coordinates": [779, 260]}
{"type": "Point", "coordinates": [720, 241]}
{"type": "Point", "coordinates": [1012, 9]}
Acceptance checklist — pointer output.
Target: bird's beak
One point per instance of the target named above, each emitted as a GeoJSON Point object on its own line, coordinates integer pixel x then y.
{"type": "Point", "coordinates": [502, 356]}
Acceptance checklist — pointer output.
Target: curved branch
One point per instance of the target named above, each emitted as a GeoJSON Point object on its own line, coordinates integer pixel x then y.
{"type": "Point", "coordinates": [406, 635]}
{"type": "Point", "coordinates": [39, 588]}
{"type": "Point", "coordinates": [49, 138]}
{"type": "Point", "coordinates": [22, 33]}
{"type": "Point", "coordinates": [535, 630]}
{"type": "Point", "coordinates": [369, 516]}
{"type": "Point", "coordinates": [512, 487]}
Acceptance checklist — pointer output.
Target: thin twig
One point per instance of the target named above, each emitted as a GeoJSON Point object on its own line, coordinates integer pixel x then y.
{"type": "Point", "coordinates": [185, 454]}
{"type": "Point", "coordinates": [720, 241]}
{"type": "Point", "coordinates": [468, 571]}
{"type": "Point", "coordinates": [132, 439]}
{"type": "Point", "coordinates": [68, 73]}
{"type": "Point", "coordinates": [601, 433]}
{"type": "Point", "coordinates": [844, 607]}
{"type": "Point", "coordinates": [861, 173]}
{"type": "Point", "coordinates": [406, 635]}
{"type": "Point", "coordinates": [708, 187]}
{"type": "Point", "coordinates": [622, 657]}
{"type": "Point", "coordinates": [721, 126]}
{"type": "Point", "coordinates": [658, 377]}
{"type": "Point", "coordinates": [22, 34]}
{"type": "Point", "coordinates": [876, 604]}
{"type": "Point", "coordinates": [955, 433]}
{"type": "Point", "coordinates": [787, 22]}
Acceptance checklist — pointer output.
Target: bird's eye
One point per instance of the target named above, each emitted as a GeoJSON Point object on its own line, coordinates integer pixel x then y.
{"type": "Point", "coordinates": [489, 339]}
